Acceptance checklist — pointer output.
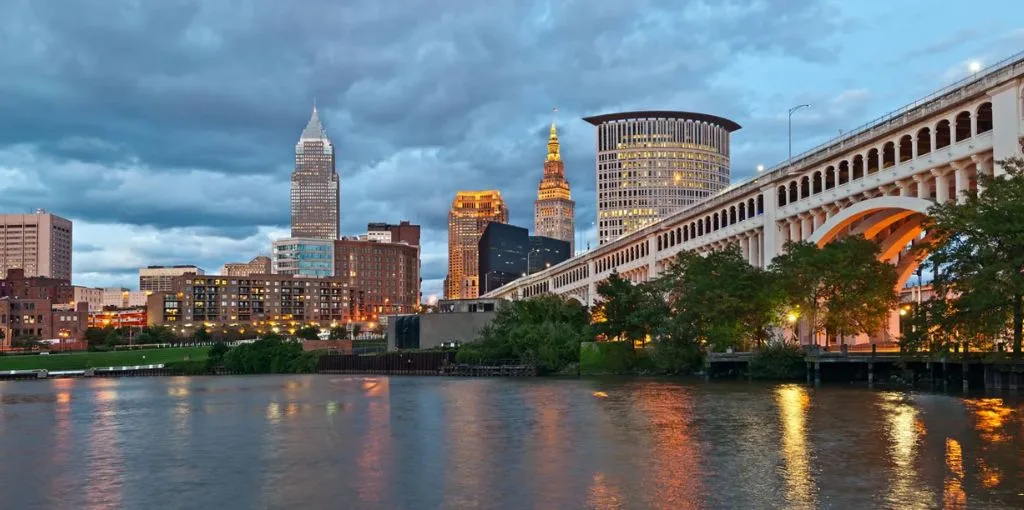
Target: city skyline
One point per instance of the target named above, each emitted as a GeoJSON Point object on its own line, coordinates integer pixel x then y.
{"type": "Point", "coordinates": [192, 167]}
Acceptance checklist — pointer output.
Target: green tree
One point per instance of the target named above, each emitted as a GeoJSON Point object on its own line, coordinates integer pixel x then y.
{"type": "Point", "coordinates": [308, 332]}
{"type": "Point", "coordinates": [356, 329]}
{"type": "Point", "coordinates": [841, 289]}
{"type": "Point", "coordinates": [200, 335]}
{"type": "Point", "coordinates": [112, 338]}
{"type": "Point", "coordinates": [628, 312]}
{"type": "Point", "coordinates": [860, 290]}
{"type": "Point", "coordinates": [96, 336]}
{"type": "Point", "coordinates": [270, 355]}
{"type": "Point", "coordinates": [545, 330]}
{"type": "Point", "coordinates": [720, 299]}
{"type": "Point", "coordinates": [979, 248]}
{"type": "Point", "coordinates": [216, 354]}
{"type": "Point", "coordinates": [338, 333]}
{"type": "Point", "coordinates": [801, 271]}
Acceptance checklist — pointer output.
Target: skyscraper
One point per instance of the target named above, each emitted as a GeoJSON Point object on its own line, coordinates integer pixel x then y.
{"type": "Point", "coordinates": [651, 164]}
{"type": "Point", "coordinates": [315, 193]}
{"type": "Point", "coordinates": [554, 208]}
{"type": "Point", "coordinates": [39, 243]}
{"type": "Point", "coordinates": [470, 213]}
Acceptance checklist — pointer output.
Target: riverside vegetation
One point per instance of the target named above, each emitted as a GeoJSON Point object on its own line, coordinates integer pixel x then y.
{"type": "Point", "coordinates": [717, 302]}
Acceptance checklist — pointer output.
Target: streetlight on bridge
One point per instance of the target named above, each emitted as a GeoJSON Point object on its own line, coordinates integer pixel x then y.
{"type": "Point", "coordinates": [791, 111]}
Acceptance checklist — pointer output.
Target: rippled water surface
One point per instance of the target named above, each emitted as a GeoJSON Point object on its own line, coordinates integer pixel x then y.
{"type": "Point", "coordinates": [424, 443]}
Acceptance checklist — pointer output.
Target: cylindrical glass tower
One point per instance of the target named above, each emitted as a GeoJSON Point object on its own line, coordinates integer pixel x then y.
{"type": "Point", "coordinates": [651, 164]}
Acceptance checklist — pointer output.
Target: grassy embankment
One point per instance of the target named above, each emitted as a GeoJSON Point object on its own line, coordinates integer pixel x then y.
{"type": "Point", "coordinates": [82, 360]}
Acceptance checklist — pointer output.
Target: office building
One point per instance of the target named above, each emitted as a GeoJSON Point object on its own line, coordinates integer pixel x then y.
{"type": "Point", "coordinates": [546, 252]}
{"type": "Point", "coordinates": [554, 209]}
{"type": "Point", "coordinates": [502, 255]}
{"type": "Point", "coordinates": [161, 278]}
{"type": "Point", "coordinates": [38, 243]}
{"type": "Point", "coordinates": [651, 164]}
{"type": "Point", "coordinates": [312, 258]}
{"type": "Point", "coordinates": [258, 265]}
{"type": "Point", "coordinates": [470, 213]}
{"type": "Point", "coordinates": [315, 191]}
{"type": "Point", "coordinates": [387, 273]}
{"type": "Point", "coordinates": [508, 252]}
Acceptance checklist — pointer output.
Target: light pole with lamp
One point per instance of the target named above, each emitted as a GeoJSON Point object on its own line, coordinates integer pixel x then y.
{"type": "Point", "coordinates": [791, 110]}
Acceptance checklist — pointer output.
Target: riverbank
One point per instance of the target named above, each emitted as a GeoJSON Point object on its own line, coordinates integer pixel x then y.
{"type": "Point", "coordinates": [86, 360]}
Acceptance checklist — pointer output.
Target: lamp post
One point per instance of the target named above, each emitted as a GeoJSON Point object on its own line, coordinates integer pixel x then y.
{"type": "Point", "coordinates": [791, 110]}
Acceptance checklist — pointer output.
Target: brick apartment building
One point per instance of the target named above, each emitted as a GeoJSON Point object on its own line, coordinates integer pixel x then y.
{"type": "Point", "coordinates": [256, 301]}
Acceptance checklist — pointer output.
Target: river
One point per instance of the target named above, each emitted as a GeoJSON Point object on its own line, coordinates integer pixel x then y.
{"type": "Point", "coordinates": [426, 442]}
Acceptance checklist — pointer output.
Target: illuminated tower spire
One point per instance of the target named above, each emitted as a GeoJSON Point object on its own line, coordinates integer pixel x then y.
{"type": "Point", "coordinates": [554, 209]}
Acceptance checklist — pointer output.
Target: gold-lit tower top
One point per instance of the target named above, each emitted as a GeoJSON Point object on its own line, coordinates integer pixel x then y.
{"type": "Point", "coordinates": [553, 148]}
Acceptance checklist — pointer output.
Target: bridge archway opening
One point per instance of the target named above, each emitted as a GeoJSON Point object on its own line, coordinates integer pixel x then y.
{"type": "Point", "coordinates": [879, 213]}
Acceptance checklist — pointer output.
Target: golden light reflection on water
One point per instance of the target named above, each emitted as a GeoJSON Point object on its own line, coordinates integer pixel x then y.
{"type": "Point", "coordinates": [105, 469]}
{"type": "Point", "coordinates": [793, 402]}
{"type": "Point", "coordinates": [904, 430]}
{"type": "Point", "coordinates": [467, 446]}
{"type": "Point", "coordinates": [549, 444]}
{"type": "Point", "coordinates": [676, 456]}
{"type": "Point", "coordinates": [273, 413]}
{"type": "Point", "coordinates": [372, 482]}
{"type": "Point", "coordinates": [604, 495]}
{"type": "Point", "coordinates": [953, 495]}
{"type": "Point", "coordinates": [990, 417]}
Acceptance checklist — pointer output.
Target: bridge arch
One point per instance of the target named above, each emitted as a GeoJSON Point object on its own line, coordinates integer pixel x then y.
{"type": "Point", "coordinates": [898, 205]}
{"type": "Point", "coordinates": [576, 298]}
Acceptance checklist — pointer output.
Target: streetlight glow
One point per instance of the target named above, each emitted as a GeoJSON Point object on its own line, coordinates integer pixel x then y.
{"type": "Point", "coordinates": [974, 66]}
{"type": "Point", "coordinates": [760, 168]}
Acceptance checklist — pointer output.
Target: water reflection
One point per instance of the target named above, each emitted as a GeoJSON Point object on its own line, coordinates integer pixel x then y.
{"type": "Point", "coordinates": [411, 443]}
{"type": "Point", "coordinates": [603, 495]}
{"type": "Point", "coordinates": [793, 402]}
{"type": "Point", "coordinates": [953, 495]}
{"type": "Point", "coordinates": [904, 432]}
{"type": "Point", "coordinates": [372, 482]}
{"type": "Point", "coordinates": [105, 466]}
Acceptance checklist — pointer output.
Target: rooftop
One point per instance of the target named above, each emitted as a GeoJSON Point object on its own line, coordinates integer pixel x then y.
{"type": "Point", "coordinates": [663, 114]}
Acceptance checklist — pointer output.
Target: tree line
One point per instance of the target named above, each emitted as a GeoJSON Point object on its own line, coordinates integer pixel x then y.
{"type": "Point", "coordinates": [823, 295]}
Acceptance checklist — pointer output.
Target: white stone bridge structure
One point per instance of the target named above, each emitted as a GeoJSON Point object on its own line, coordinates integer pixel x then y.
{"type": "Point", "coordinates": [877, 181]}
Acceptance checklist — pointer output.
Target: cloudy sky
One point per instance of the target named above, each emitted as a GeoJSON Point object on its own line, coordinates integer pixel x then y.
{"type": "Point", "coordinates": [166, 129]}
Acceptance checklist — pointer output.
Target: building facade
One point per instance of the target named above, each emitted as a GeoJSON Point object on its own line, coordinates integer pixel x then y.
{"type": "Point", "coordinates": [312, 258]}
{"type": "Point", "coordinates": [502, 252]}
{"type": "Point", "coordinates": [651, 164]}
{"type": "Point", "coordinates": [109, 297]}
{"type": "Point", "coordinates": [258, 265]}
{"type": "Point", "coordinates": [315, 191]}
{"type": "Point", "coordinates": [40, 319]}
{"type": "Point", "coordinates": [388, 274]}
{"type": "Point", "coordinates": [38, 243]}
{"type": "Point", "coordinates": [404, 232]}
{"type": "Point", "coordinates": [508, 252]}
{"type": "Point", "coordinates": [554, 209]}
{"type": "Point", "coordinates": [260, 302]}
{"type": "Point", "coordinates": [470, 213]}
{"type": "Point", "coordinates": [135, 317]}
{"type": "Point", "coordinates": [161, 278]}
{"type": "Point", "coordinates": [546, 252]}
{"type": "Point", "coordinates": [17, 285]}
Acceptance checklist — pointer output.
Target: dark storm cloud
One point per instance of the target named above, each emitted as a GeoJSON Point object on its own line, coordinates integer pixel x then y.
{"type": "Point", "coordinates": [185, 113]}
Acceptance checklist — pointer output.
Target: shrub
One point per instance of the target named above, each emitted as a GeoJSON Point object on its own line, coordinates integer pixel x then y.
{"type": "Point", "coordinates": [778, 361]}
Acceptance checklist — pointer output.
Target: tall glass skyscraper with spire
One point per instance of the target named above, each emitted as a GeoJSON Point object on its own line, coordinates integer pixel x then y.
{"type": "Point", "coordinates": [316, 194]}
